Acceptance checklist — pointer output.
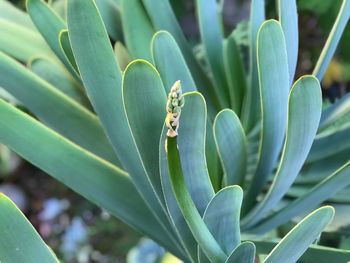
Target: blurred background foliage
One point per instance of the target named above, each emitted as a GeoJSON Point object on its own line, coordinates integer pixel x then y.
{"type": "Point", "coordinates": [81, 232]}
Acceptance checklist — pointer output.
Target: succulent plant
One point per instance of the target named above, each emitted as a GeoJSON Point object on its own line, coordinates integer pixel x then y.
{"type": "Point", "coordinates": [196, 152]}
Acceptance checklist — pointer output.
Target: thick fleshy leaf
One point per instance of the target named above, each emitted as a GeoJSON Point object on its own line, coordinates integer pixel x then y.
{"type": "Point", "coordinates": [333, 40]}
{"type": "Point", "coordinates": [244, 253]}
{"type": "Point", "coordinates": [314, 253]}
{"type": "Point", "coordinates": [251, 107]}
{"type": "Point", "coordinates": [12, 37]}
{"type": "Point", "coordinates": [232, 146]}
{"type": "Point", "coordinates": [145, 103]}
{"type": "Point", "coordinates": [274, 89]}
{"type": "Point", "coordinates": [69, 118]}
{"type": "Point", "coordinates": [49, 25]}
{"type": "Point", "coordinates": [222, 217]}
{"type": "Point", "coordinates": [67, 49]}
{"type": "Point", "coordinates": [138, 30]}
{"type": "Point", "coordinates": [318, 194]}
{"type": "Point", "coordinates": [235, 73]}
{"type": "Point", "coordinates": [288, 17]}
{"type": "Point", "coordinates": [172, 67]}
{"type": "Point", "coordinates": [329, 145]}
{"type": "Point", "coordinates": [58, 77]}
{"type": "Point", "coordinates": [191, 142]}
{"type": "Point", "coordinates": [19, 241]}
{"type": "Point", "coordinates": [304, 113]}
{"type": "Point", "coordinates": [95, 179]}
{"type": "Point", "coordinates": [200, 231]}
{"type": "Point", "coordinates": [163, 18]}
{"type": "Point", "coordinates": [170, 63]}
{"type": "Point", "coordinates": [296, 242]}
{"type": "Point", "coordinates": [102, 79]}
{"type": "Point", "coordinates": [212, 38]}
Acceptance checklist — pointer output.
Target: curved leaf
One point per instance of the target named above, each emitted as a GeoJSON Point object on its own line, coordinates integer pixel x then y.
{"type": "Point", "coordinates": [251, 110]}
{"type": "Point", "coordinates": [69, 118]}
{"type": "Point", "coordinates": [314, 253]}
{"type": "Point", "coordinates": [212, 39]}
{"type": "Point", "coordinates": [222, 219]}
{"type": "Point", "coordinates": [231, 143]}
{"type": "Point", "coordinates": [304, 113]}
{"type": "Point", "coordinates": [333, 40]}
{"type": "Point", "coordinates": [318, 194]}
{"type": "Point", "coordinates": [145, 103]}
{"type": "Point", "coordinates": [274, 89]}
{"type": "Point", "coordinates": [236, 77]}
{"type": "Point", "coordinates": [95, 179]}
{"type": "Point", "coordinates": [288, 17]}
{"type": "Point", "coordinates": [19, 241]}
{"type": "Point", "coordinates": [205, 239]}
{"type": "Point", "coordinates": [138, 30]}
{"type": "Point", "coordinates": [244, 253]}
{"type": "Point", "coordinates": [163, 18]}
{"type": "Point", "coordinates": [102, 79]}
{"type": "Point", "coordinates": [296, 242]}
{"type": "Point", "coordinates": [49, 25]}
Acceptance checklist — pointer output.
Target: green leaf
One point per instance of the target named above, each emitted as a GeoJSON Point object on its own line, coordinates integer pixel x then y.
{"type": "Point", "coordinates": [102, 79]}
{"type": "Point", "coordinates": [222, 217]}
{"type": "Point", "coordinates": [314, 253]}
{"type": "Point", "coordinates": [172, 67]}
{"type": "Point", "coordinates": [69, 118]}
{"type": "Point", "coordinates": [19, 241]}
{"type": "Point", "coordinates": [170, 63]}
{"type": "Point", "coordinates": [288, 17]}
{"type": "Point", "coordinates": [13, 14]}
{"type": "Point", "coordinates": [329, 145]}
{"type": "Point", "coordinates": [244, 253]}
{"type": "Point", "coordinates": [333, 40]}
{"type": "Point", "coordinates": [335, 112]}
{"type": "Point", "coordinates": [97, 180]}
{"type": "Point", "coordinates": [212, 39]}
{"type": "Point", "coordinates": [205, 239]}
{"type": "Point", "coordinates": [49, 25]}
{"type": "Point", "coordinates": [145, 103]}
{"type": "Point", "coordinates": [274, 89]}
{"type": "Point", "coordinates": [318, 194]}
{"type": "Point", "coordinates": [296, 242]}
{"type": "Point", "coordinates": [251, 109]}
{"type": "Point", "coordinates": [304, 113]}
{"type": "Point", "coordinates": [235, 74]}
{"type": "Point", "coordinates": [138, 30]}
{"type": "Point", "coordinates": [191, 146]}
{"type": "Point", "coordinates": [111, 16]}
{"type": "Point", "coordinates": [67, 50]}
{"type": "Point", "coordinates": [58, 77]}
{"type": "Point", "coordinates": [191, 142]}
{"type": "Point", "coordinates": [163, 18]}
{"type": "Point", "coordinates": [12, 37]}
{"type": "Point", "coordinates": [232, 146]}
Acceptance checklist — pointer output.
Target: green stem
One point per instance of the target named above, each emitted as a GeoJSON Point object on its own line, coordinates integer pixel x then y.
{"type": "Point", "coordinates": [201, 233]}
